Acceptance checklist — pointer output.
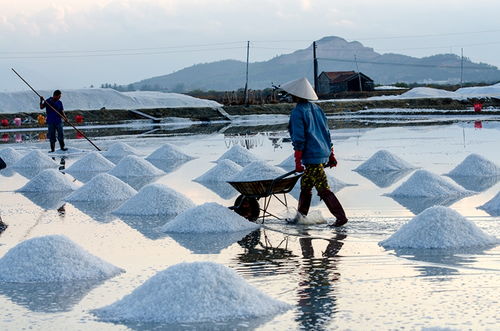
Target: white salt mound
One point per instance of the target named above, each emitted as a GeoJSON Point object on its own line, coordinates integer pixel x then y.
{"type": "Point", "coordinates": [239, 155]}
{"type": "Point", "coordinates": [439, 227]}
{"type": "Point", "coordinates": [49, 180]}
{"type": "Point", "coordinates": [103, 187]}
{"type": "Point", "coordinates": [53, 258]}
{"type": "Point", "coordinates": [92, 162]}
{"type": "Point", "coordinates": [168, 152]}
{"type": "Point", "coordinates": [10, 156]}
{"type": "Point", "coordinates": [426, 184]}
{"type": "Point", "coordinates": [222, 171]}
{"type": "Point", "coordinates": [135, 166]}
{"type": "Point", "coordinates": [288, 163]}
{"type": "Point", "coordinates": [193, 292]}
{"type": "Point", "coordinates": [208, 218]}
{"type": "Point", "coordinates": [475, 165]}
{"type": "Point", "coordinates": [492, 206]}
{"type": "Point", "coordinates": [384, 161]}
{"type": "Point", "coordinates": [35, 159]}
{"type": "Point", "coordinates": [155, 199]}
{"type": "Point", "coordinates": [257, 170]}
{"type": "Point", "coordinates": [120, 150]}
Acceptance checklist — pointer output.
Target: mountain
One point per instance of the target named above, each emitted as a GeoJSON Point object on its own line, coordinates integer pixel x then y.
{"type": "Point", "coordinates": [334, 54]}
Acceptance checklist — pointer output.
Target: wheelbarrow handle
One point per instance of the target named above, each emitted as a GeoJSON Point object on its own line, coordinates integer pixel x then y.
{"type": "Point", "coordinates": [285, 175]}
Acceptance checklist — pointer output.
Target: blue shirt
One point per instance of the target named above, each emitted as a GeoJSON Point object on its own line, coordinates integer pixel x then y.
{"type": "Point", "coordinates": [309, 131]}
{"type": "Point", "coordinates": [52, 116]}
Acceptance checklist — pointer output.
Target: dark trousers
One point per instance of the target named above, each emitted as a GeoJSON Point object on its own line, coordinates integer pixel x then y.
{"type": "Point", "coordinates": [53, 129]}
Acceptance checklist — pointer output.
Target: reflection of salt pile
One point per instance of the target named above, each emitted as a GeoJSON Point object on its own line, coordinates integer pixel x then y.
{"type": "Point", "coordinates": [257, 170]}
{"type": "Point", "coordinates": [155, 199]}
{"type": "Point", "coordinates": [492, 207]}
{"type": "Point", "coordinates": [92, 162]}
{"type": "Point", "coordinates": [426, 184]}
{"type": "Point", "coordinates": [36, 160]}
{"type": "Point", "coordinates": [224, 170]}
{"type": "Point", "coordinates": [103, 187]}
{"type": "Point", "coordinates": [134, 166]}
{"type": "Point", "coordinates": [288, 163]}
{"type": "Point", "coordinates": [52, 258]}
{"type": "Point", "coordinates": [384, 161]}
{"type": "Point", "coordinates": [193, 292]}
{"type": "Point", "coordinates": [476, 166]}
{"type": "Point", "coordinates": [209, 217]}
{"type": "Point", "coordinates": [438, 227]}
{"type": "Point", "coordinates": [119, 150]}
{"type": "Point", "coordinates": [49, 180]}
{"type": "Point", "coordinates": [10, 156]}
{"type": "Point", "coordinates": [239, 155]}
{"type": "Point", "coordinates": [168, 152]}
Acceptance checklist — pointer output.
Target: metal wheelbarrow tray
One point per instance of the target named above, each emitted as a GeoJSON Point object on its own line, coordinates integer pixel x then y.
{"type": "Point", "coordinates": [247, 205]}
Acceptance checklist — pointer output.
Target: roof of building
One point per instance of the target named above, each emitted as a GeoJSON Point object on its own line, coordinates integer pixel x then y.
{"type": "Point", "coordinates": [341, 76]}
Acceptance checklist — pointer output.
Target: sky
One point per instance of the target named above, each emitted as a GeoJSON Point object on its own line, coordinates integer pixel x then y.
{"type": "Point", "coordinates": [69, 44]}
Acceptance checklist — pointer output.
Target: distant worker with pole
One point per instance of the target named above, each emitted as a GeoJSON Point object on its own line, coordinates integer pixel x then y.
{"type": "Point", "coordinates": [55, 114]}
{"type": "Point", "coordinates": [313, 148]}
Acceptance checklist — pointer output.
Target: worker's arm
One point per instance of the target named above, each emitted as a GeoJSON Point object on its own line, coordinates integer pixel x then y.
{"type": "Point", "coordinates": [42, 102]}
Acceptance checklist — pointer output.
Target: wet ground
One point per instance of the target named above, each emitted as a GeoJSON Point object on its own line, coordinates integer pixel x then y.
{"type": "Point", "coordinates": [335, 279]}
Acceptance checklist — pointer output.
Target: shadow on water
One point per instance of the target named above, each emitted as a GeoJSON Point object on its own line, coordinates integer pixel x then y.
{"type": "Point", "coordinates": [222, 189]}
{"type": "Point", "coordinates": [48, 297]}
{"type": "Point", "coordinates": [475, 183]}
{"type": "Point", "coordinates": [384, 179]}
{"type": "Point", "coordinates": [98, 210]}
{"type": "Point", "coordinates": [418, 204]}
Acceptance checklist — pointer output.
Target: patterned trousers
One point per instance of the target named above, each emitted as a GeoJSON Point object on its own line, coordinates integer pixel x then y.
{"type": "Point", "coordinates": [314, 176]}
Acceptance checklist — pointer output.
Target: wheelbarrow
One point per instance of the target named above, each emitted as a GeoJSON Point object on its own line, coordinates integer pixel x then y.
{"type": "Point", "coordinates": [247, 203]}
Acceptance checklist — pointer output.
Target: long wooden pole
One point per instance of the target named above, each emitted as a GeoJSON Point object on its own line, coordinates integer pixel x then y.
{"type": "Point", "coordinates": [57, 112]}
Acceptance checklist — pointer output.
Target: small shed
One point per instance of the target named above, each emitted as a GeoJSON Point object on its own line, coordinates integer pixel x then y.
{"type": "Point", "coordinates": [343, 81]}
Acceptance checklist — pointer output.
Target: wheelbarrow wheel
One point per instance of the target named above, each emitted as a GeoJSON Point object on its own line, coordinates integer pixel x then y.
{"type": "Point", "coordinates": [247, 207]}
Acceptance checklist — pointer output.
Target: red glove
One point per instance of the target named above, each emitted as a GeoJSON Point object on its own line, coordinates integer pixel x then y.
{"type": "Point", "coordinates": [332, 161]}
{"type": "Point", "coordinates": [298, 161]}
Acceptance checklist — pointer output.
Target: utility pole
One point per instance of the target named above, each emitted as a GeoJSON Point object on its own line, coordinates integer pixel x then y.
{"type": "Point", "coordinates": [359, 74]}
{"type": "Point", "coordinates": [462, 69]}
{"type": "Point", "coordinates": [246, 80]}
{"type": "Point", "coordinates": [315, 68]}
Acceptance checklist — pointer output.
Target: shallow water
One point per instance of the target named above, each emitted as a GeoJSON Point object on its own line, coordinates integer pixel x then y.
{"type": "Point", "coordinates": [335, 279]}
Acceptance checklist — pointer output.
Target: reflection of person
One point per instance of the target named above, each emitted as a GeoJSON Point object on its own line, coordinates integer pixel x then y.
{"type": "Point", "coordinates": [3, 226]}
{"type": "Point", "coordinates": [3, 165]}
{"type": "Point", "coordinates": [54, 119]}
{"type": "Point", "coordinates": [313, 147]}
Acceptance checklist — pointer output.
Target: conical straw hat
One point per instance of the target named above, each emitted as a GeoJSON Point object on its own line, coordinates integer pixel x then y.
{"type": "Point", "coordinates": [300, 88]}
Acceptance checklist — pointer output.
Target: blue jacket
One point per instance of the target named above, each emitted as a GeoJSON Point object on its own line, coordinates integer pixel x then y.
{"type": "Point", "coordinates": [309, 131]}
{"type": "Point", "coordinates": [52, 116]}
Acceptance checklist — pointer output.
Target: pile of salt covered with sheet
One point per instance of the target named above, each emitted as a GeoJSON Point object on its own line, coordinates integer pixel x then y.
{"type": "Point", "coordinates": [257, 170]}
{"type": "Point", "coordinates": [10, 156]}
{"type": "Point", "coordinates": [119, 150]}
{"type": "Point", "coordinates": [208, 218]}
{"type": "Point", "coordinates": [168, 152]}
{"type": "Point", "coordinates": [193, 292]}
{"type": "Point", "coordinates": [439, 227]}
{"type": "Point", "coordinates": [426, 184]}
{"type": "Point", "coordinates": [222, 171]}
{"type": "Point", "coordinates": [135, 166]}
{"type": "Point", "coordinates": [239, 155]}
{"type": "Point", "coordinates": [155, 199]}
{"type": "Point", "coordinates": [49, 180]}
{"type": "Point", "coordinates": [92, 162]}
{"type": "Point", "coordinates": [35, 159]}
{"type": "Point", "coordinates": [52, 258]}
{"type": "Point", "coordinates": [475, 166]}
{"type": "Point", "coordinates": [492, 207]}
{"type": "Point", "coordinates": [384, 161]}
{"type": "Point", "coordinates": [103, 187]}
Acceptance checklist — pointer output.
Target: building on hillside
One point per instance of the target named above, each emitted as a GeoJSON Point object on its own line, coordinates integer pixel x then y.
{"type": "Point", "coordinates": [343, 81]}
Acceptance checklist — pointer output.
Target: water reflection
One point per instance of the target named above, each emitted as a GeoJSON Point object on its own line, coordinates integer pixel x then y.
{"type": "Point", "coordinates": [207, 243]}
{"type": "Point", "coordinates": [475, 183]}
{"type": "Point", "coordinates": [148, 226]}
{"type": "Point", "coordinates": [48, 297]}
{"type": "Point", "coordinates": [138, 182]}
{"type": "Point", "coordinates": [418, 204]}
{"type": "Point", "coordinates": [384, 178]}
{"type": "Point", "coordinates": [84, 176]}
{"type": "Point", "coordinates": [222, 189]}
{"type": "Point", "coordinates": [168, 165]}
{"type": "Point", "coordinates": [7, 172]}
{"type": "Point", "coordinates": [98, 210]}
{"type": "Point", "coordinates": [48, 201]}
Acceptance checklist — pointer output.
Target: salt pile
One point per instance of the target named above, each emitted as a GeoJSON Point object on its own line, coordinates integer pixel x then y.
{"type": "Point", "coordinates": [49, 180]}
{"type": "Point", "coordinates": [257, 170]}
{"type": "Point", "coordinates": [92, 162]}
{"type": "Point", "coordinates": [427, 92]}
{"type": "Point", "coordinates": [120, 150]}
{"type": "Point", "coordinates": [426, 184]}
{"type": "Point", "coordinates": [10, 156]}
{"type": "Point", "coordinates": [492, 207]}
{"type": "Point", "coordinates": [35, 159]}
{"type": "Point", "coordinates": [168, 152]}
{"type": "Point", "coordinates": [439, 227]}
{"type": "Point", "coordinates": [193, 292]}
{"type": "Point", "coordinates": [155, 199]}
{"type": "Point", "coordinates": [134, 166]}
{"type": "Point", "coordinates": [288, 163]}
{"type": "Point", "coordinates": [53, 258]}
{"type": "Point", "coordinates": [384, 161]}
{"type": "Point", "coordinates": [103, 187]}
{"type": "Point", "coordinates": [476, 166]}
{"type": "Point", "coordinates": [209, 217]}
{"type": "Point", "coordinates": [239, 155]}
{"type": "Point", "coordinates": [221, 172]}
